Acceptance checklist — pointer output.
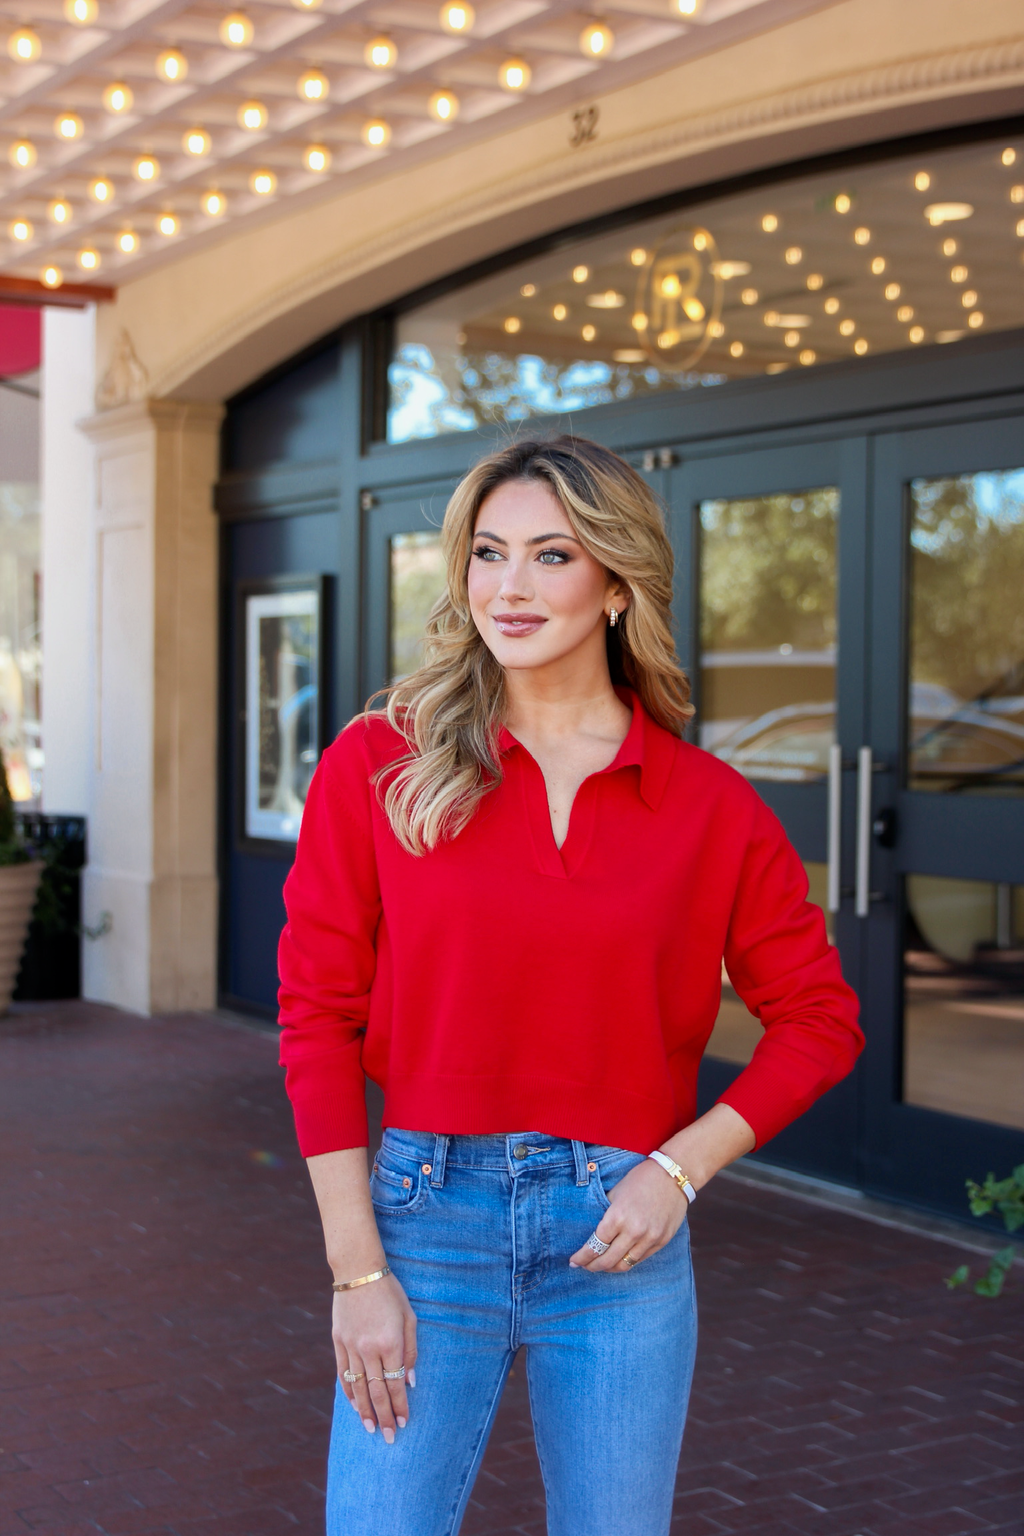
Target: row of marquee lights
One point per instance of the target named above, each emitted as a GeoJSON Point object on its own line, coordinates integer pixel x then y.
{"type": "Point", "coordinates": [937, 214]}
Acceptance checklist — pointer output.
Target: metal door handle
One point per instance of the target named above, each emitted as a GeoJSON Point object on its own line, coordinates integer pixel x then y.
{"type": "Point", "coordinates": [862, 894]}
{"type": "Point", "coordinates": [835, 825]}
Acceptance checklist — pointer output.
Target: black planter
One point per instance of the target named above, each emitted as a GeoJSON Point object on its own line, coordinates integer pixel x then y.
{"type": "Point", "coordinates": [51, 966]}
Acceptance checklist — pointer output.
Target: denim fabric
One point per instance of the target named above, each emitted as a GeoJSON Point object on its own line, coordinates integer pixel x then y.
{"type": "Point", "coordinates": [481, 1243]}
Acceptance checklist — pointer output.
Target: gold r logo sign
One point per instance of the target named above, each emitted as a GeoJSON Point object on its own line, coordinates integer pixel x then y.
{"type": "Point", "coordinates": [679, 298]}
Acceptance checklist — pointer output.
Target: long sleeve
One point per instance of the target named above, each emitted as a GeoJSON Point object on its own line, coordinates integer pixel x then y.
{"type": "Point", "coordinates": [788, 975]}
{"type": "Point", "coordinates": [327, 953]}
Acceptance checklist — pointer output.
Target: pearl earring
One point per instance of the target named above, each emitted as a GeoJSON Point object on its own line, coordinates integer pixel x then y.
{"type": "Point", "coordinates": [613, 618]}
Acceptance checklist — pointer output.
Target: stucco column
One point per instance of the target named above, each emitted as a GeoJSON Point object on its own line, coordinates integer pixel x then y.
{"type": "Point", "coordinates": [151, 880]}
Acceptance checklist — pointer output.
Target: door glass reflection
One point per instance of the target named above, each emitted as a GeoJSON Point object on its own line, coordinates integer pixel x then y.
{"type": "Point", "coordinates": [966, 695]}
{"type": "Point", "coordinates": [963, 1011]}
{"type": "Point", "coordinates": [768, 632]}
{"type": "Point", "coordinates": [417, 581]}
{"type": "Point", "coordinates": [736, 1031]}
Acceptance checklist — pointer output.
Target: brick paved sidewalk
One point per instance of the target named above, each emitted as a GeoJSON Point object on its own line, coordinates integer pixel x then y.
{"type": "Point", "coordinates": [165, 1365]}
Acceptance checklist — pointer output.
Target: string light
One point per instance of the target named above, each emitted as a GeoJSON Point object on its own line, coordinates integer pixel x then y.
{"type": "Point", "coordinates": [316, 158]}
{"type": "Point", "coordinates": [847, 327]}
{"type": "Point", "coordinates": [815, 280]}
{"type": "Point", "coordinates": [528, 290]}
{"type": "Point", "coordinates": [1009, 157]}
{"type": "Point", "coordinates": [640, 322]}
{"type": "Point", "coordinates": [118, 98]}
{"type": "Point", "coordinates": [808, 356]}
{"type": "Point", "coordinates": [922, 181]}
{"type": "Point", "coordinates": [59, 211]}
{"type": "Point", "coordinates": [380, 53]}
{"type": "Point", "coordinates": [968, 298]}
{"type": "Point", "coordinates": [749, 296]}
{"type": "Point", "coordinates": [736, 349]}
{"type": "Point", "coordinates": [313, 85]}
{"type": "Point", "coordinates": [689, 7]}
{"type": "Point", "coordinates": [905, 313]}
{"type": "Point", "coordinates": [252, 115]}
{"type": "Point", "coordinates": [168, 224]}
{"type": "Point", "coordinates": [196, 142]}
{"type": "Point", "coordinates": [976, 320]}
{"type": "Point", "coordinates": [792, 338]}
{"type": "Point", "coordinates": [172, 65]}
{"type": "Point", "coordinates": [949, 246]}
{"type": "Point", "coordinates": [700, 241]}
{"type": "Point", "coordinates": [769, 223]}
{"type": "Point", "coordinates": [638, 256]}
{"type": "Point", "coordinates": [916, 333]}
{"type": "Point", "coordinates": [862, 235]}
{"type": "Point", "coordinates": [878, 265]}
{"type": "Point", "coordinates": [101, 190]}
{"type": "Point", "coordinates": [444, 106]}
{"type": "Point", "coordinates": [794, 255]}
{"type": "Point", "coordinates": [24, 46]}
{"type": "Point", "coordinates": [716, 329]}
{"type": "Point", "coordinates": [22, 154]}
{"type": "Point", "coordinates": [560, 312]}
{"type": "Point", "coordinates": [892, 291]}
{"type": "Point", "coordinates": [1017, 194]}
{"type": "Point", "coordinates": [20, 230]}
{"type": "Point", "coordinates": [88, 258]}
{"type": "Point", "coordinates": [589, 333]}
{"type": "Point", "coordinates": [236, 30]}
{"type": "Point", "coordinates": [263, 182]}
{"type": "Point", "coordinates": [376, 133]}
{"type": "Point", "coordinates": [842, 203]}
{"type": "Point", "coordinates": [958, 274]}
{"type": "Point", "coordinates": [1020, 228]}
{"type": "Point", "coordinates": [597, 40]}
{"type": "Point", "coordinates": [214, 204]}
{"type": "Point", "coordinates": [128, 242]}
{"type": "Point", "coordinates": [514, 74]}
{"type": "Point", "coordinates": [307, 5]}
{"type": "Point", "coordinates": [512, 325]}
{"type": "Point", "coordinates": [580, 274]}
{"type": "Point", "coordinates": [457, 16]}
{"type": "Point", "coordinates": [68, 126]}
{"type": "Point", "coordinates": [860, 346]}
{"type": "Point", "coordinates": [82, 13]}
{"type": "Point", "coordinates": [832, 306]}
{"type": "Point", "coordinates": [51, 277]}
{"type": "Point", "coordinates": [146, 168]}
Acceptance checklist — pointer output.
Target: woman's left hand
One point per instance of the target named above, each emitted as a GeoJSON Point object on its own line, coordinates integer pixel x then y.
{"type": "Point", "coordinates": [646, 1210]}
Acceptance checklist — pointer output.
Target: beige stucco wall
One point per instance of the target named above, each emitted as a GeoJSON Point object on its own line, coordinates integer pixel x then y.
{"type": "Point", "coordinates": [856, 71]}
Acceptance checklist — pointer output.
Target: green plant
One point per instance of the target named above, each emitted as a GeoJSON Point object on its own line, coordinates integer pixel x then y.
{"type": "Point", "coordinates": [12, 844]}
{"type": "Point", "coordinates": [1007, 1197]}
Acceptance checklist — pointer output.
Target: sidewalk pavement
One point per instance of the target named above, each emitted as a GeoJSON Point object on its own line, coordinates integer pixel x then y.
{"type": "Point", "coordinates": [165, 1362]}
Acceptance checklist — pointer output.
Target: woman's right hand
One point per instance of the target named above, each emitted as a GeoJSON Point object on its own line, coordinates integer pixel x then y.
{"type": "Point", "coordinates": [374, 1330]}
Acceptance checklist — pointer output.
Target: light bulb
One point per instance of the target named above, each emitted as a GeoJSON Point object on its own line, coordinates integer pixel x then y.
{"type": "Point", "coordinates": [580, 274]}
{"type": "Point", "coordinates": [528, 290]}
{"type": "Point", "coordinates": [638, 256]}
{"type": "Point", "coordinates": [847, 327]}
{"type": "Point", "coordinates": [749, 296]}
{"type": "Point", "coordinates": [24, 46]}
{"type": "Point", "coordinates": [794, 255]}
{"type": "Point", "coordinates": [735, 349]}
{"type": "Point", "coordinates": [1017, 194]}
{"type": "Point", "coordinates": [512, 324]}
{"type": "Point", "coordinates": [815, 280]}
{"type": "Point", "coordinates": [808, 356]}
{"type": "Point", "coordinates": [376, 133]}
{"type": "Point", "coordinates": [689, 7]}
{"type": "Point", "coordinates": [146, 168]}
{"type": "Point", "coordinates": [892, 291]}
{"type": "Point", "coordinates": [118, 98]}
{"type": "Point", "coordinates": [380, 53]}
{"type": "Point", "coordinates": [68, 126]}
{"type": "Point", "coordinates": [214, 204]}
{"type": "Point", "coordinates": [640, 321]}
{"type": "Point", "coordinates": [597, 40]}
{"type": "Point", "coordinates": [316, 158]}
{"type": "Point", "coordinates": [946, 213]}
{"type": "Point", "coordinates": [263, 182]}
{"type": "Point", "coordinates": [82, 13]}
{"type": "Point", "coordinates": [22, 154]}
{"type": "Point", "coordinates": [969, 298]}
{"type": "Point", "coordinates": [770, 223]}
{"type": "Point", "coordinates": [101, 190]}
{"type": "Point", "coordinates": [905, 314]}
{"type": "Point", "coordinates": [252, 115]}
{"type": "Point", "coordinates": [862, 235]}
{"type": "Point", "coordinates": [171, 65]}
{"type": "Point", "coordinates": [560, 312]}
{"type": "Point", "coordinates": [51, 277]}
{"type": "Point", "coordinates": [842, 203]}
{"type": "Point", "coordinates": [313, 86]}
{"type": "Point", "coordinates": [860, 346]}
{"type": "Point", "coordinates": [949, 247]}
{"type": "Point", "coordinates": [976, 320]}
{"type": "Point", "coordinates": [792, 338]}
{"type": "Point", "coordinates": [457, 16]}
{"type": "Point", "coordinates": [1009, 157]}
{"type": "Point", "coordinates": [922, 181]}
{"type": "Point", "coordinates": [916, 333]}
{"type": "Point", "coordinates": [128, 242]}
{"type": "Point", "coordinates": [444, 106]}
{"type": "Point", "coordinates": [958, 274]}
{"type": "Point", "coordinates": [589, 332]}
{"type": "Point", "coordinates": [59, 211]}
{"type": "Point", "coordinates": [88, 258]}
{"type": "Point", "coordinates": [307, 5]}
{"type": "Point", "coordinates": [832, 306]}
{"type": "Point", "coordinates": [168, 224]}
{"type": "Point", "coordinates": [20, 230]}
{"type": "Point", "coordinates": [514, 74]}
{"type": "Point", "coordinates": [236, 30]}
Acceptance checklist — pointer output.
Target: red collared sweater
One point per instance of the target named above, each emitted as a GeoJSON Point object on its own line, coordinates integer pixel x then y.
{"type": "Point", "coordinates": [499, 984]}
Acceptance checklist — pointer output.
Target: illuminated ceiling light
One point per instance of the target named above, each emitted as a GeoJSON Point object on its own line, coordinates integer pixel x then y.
{"type": "Point", "coordinates": [607, 300]}
{"type": "Point", "coordinates": [214, 204]}
{"type": "Point", "coordinates": [597, 40]}
{"type": "Point", "coordinates": [514, 74]}
{"type": "Point", "coordinates": [376, 133]}
{"type": "Point", "coordinates": [1009, 157]}
{"type": "Point", "coordinates": [307, 5]}
{"type": "Point", "coordinates": [196, 142]}
{"type": "Point", "coordinates": [629, 355]}
{"type": "Point", "coordinates": [792, 338]}
{"type": "Point", "coordinates": [700, 241]}
{"type": "Point", "coordinates": [815, 280]}
{"type": "Point", "coordinates": [88, 258]}
{"type": "Point", "coordinates": [847, 327]}
{"type": "Point", "coordinates": [693, 308]}
{"type": "Point", "coordinates": [794, 255]}
{"type": "Point", "coordinates": [22, 154]}
{"type": "Point", "coordinates": [842, 202]}
{"type": "Point", "coordinates": [380, 53]}
{"type": "Point", "coordinates": [769, 223]}
{"type": "Point", "coordinates": [786, 322]}
{"type": "Point", "coordinates": [922, 181]}
{"type": "Point", "coordinates": [172, 65]}
{"type": "Point", "coordinates": [638, 256]}
{"type": "Point", "coordinates": [146, 168]}
{"type": "Point", "coordinates": [808, 356]}
{"type": "Point", "coordinates": [168, 224]}
{"type": "Point", "coordinates": [512, 324]}
{"type": "Point", "coordinates": [313, 85]}
{"type": "Point", "coordinates": [580, 274]}
{"type": "Point", "coordinates": [101, 190]}
{"type": "Point", "coordinates": [905, 313]}
{"type": "Point", "coordinates": [892, 291]}
{"type": "Point", "coordinates": [444, 105]}
{"type": "Point", "coordinates": [1017, 194]}
{"type": "Point", "coordinates": [727, 269]}
{"type": "Point", "coordinates": [916, 333]}
{"type": "Point", "coordinates": [689, 7]}
{"type": "Point", "coordinates": [20, 230]}
{"type": "Point", "coordinates": [947, 213]}
{"type": "Point", "coordinates": [457, 16]}
{"type": "Point", "coordinates": [736, 349]}
{"type": "Point", "coordinates": [51, 277]}
{"type": "Point", "coordinates": [528, 290]}
{"type": "Point", "coordinates": [263, 182]}
{"type": "Point", "coordinates": [24, 46]}
{"type": "Point", "coordinates": [749, 296]}
{"type": "Point", "coordinates": [639, 322]}
{"type": "Point", "coordinates": [975, 320]}
{"type": "Point", "coordinates": [252, 116]}
{"type": "Point", "coordinates": [878, 265]}
{"type": "Point", "coordinates": [82, 13]}
{"type": "Point", "coordinates": [68, 126]}
{"type": "Point", "coordinates": [316, 157]}
{"type": "Point", "coordinates": [236, 30]}
{"type": "Point", "coordinates": [832, 306]}
{"type": "Point", "coordinates": [670, 287]}
{"type": "Point", "coordinates": [949, 246]}
{"type": "Point", "coordinates": [128, 242]}
{"type": "Point", "coordinates": [118, 98]}
{"type": "Point", "coordinates": [968, 298]}
{"type": "Point", "coordinates": [862, 235]}
{"type": "Point", "coordinates": [560, 312]}
{"type": "Point", "coordinates": [958, 274]}
{"type": "Point", "coordinates": [1020, 228]}
{"type": "Point", "coordinates": [860, 346]}
{"type": "Point", "coordinates": [589, 333]}
{"type": "Point", "coordinates": [59, 212]}
{"type": "Point", "coordinates": [716, 328]}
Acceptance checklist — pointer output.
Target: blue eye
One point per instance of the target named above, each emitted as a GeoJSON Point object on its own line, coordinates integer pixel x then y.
{"type": "Point", "coordinates": [486, 553]}
{"type": "Point", "coordinates": [558, 557]}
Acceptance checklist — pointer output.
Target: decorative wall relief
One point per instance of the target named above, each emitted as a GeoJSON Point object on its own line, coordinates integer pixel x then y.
{"type": "Point", "coordinates": [126, 379]}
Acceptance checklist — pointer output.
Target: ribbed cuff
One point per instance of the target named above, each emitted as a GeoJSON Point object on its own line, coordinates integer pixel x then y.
{"type": "Point", "coordinates": [329, 1124]}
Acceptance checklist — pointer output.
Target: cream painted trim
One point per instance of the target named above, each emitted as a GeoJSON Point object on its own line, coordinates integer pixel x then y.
{"type": "Point", "coordinates": [191, 414]}
{"type": "Point", "coordinates": [863, 93]}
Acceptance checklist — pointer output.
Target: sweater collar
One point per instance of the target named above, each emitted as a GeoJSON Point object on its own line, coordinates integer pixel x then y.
{"type": "Point", "coordinates": [647, 746]}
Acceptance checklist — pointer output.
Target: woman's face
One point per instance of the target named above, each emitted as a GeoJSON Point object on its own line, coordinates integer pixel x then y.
{"type": "Point", "coordinates": [536, 596]}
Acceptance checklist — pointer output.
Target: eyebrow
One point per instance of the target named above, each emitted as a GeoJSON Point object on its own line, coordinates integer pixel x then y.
{"type": "Point", "coordinates": [541, 538]}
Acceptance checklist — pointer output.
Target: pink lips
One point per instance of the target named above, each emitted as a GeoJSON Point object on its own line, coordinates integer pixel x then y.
{"type": "Point", "coordinates": [518, 624]}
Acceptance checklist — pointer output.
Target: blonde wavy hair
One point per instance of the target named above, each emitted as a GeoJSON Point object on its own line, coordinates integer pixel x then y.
{"type": "Point", "coordinates": [451, 708]}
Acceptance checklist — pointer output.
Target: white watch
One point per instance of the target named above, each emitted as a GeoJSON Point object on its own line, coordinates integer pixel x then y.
{"type": "Point", "coordinates": [675, 1172]}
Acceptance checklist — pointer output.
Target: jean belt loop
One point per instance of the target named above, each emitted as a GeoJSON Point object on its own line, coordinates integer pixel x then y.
{"type": "Point", "coordinates": [440, 1158]}
{"type": "Point", "coordinates": [579, 1157]}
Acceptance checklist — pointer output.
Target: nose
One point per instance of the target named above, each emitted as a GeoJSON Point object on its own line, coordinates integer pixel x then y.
{"type": "Point", "coordinates": [515, 583]}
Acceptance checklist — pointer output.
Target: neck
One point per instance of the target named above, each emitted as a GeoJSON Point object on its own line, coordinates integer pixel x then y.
{"type": "Point", "coordinates": [552, 702]}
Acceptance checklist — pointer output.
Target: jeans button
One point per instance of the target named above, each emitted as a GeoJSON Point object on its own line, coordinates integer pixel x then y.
{"type": "Point", "coordinates": [519, 1152]}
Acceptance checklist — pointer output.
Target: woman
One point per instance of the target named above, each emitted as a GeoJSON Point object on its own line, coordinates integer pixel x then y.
{"type": "Point", "coordinates": [510, 906]}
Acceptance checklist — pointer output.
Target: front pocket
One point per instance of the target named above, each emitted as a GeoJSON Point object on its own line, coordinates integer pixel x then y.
{"type": "Point", "coordinates": [608, 1173]}
{"type": "Point", "coordinates": [395, 1185]}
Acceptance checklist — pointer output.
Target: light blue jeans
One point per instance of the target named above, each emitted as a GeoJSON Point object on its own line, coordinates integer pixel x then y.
{"type": "Point", "coordinates": [480, 1238]}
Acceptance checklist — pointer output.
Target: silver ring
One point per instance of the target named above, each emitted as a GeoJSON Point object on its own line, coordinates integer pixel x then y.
{"type": "Point", "coordinates": [352, 1375]}
{"type": "Point", "coordinates": [596, 1245]}
{"type": "Point", "coordinates": [398, 1375]}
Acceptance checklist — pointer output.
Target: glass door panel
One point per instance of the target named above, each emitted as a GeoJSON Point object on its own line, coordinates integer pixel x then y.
{"type": "Point", "coordinates": [403, 578]}
{"type": "Point", "coordinates": [417, 580]}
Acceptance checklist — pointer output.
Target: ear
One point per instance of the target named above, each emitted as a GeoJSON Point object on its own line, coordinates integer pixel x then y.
{"type": "Point", "coordinates": [618, 597]}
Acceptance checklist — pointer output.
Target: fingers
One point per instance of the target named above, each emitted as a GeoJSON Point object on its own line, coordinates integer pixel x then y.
{"type": "Point", "coordinates": [637, 1244]}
